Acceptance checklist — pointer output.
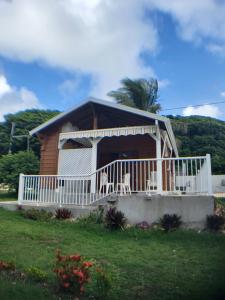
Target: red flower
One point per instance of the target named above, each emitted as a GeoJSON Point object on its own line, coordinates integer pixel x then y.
{"type": "Point", "coordinates": [65, 276]}
{"type": "Point", "coordinates": [87, 264]}
{"type": "Point", "coordinates": [66, 285]}
{"type": "Point", "coordinates": [75, 257]}
{"type": "Point", "coordinates": [78, 273]}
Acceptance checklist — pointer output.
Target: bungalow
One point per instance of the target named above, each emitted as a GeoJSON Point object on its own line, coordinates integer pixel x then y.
{"type": "Point", "coordinates": [100, 148]}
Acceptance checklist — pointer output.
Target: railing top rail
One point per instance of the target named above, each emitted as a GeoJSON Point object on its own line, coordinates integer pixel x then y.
{"type": "Point", "coordinates": [162, 158]}
{"type": "Point", "coordinates": [82, 177]}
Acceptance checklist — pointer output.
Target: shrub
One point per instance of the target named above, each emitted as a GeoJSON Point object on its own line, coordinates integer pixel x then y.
{"type": "Point", "coordinates": [72, 272]}
{"type": "Point", "coordinates": [11, 165]}
{"type": "Point", "coordinates": [214, 222]}
{"type": "Point", "coordinates": [36, 274]}
{"type": "Point", "coordinates": [115, 219]}
{"type": "Point", "coordinates": [95, 217]}
{"type": "Point", "coordinates": [37, 215]}
{"type": "Point", "coordinates": [63, 213]}
{"type": "Point", "coordinates": [170, 222]}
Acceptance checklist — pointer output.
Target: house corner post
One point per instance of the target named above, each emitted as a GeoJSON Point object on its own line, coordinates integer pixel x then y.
{"type": "Point", "coordinates": [159, 158]}
{"type": "Point", "coordinates": [21, 188]}
{"type": "Point", "coordinates": [209, 174]}
{"type": "Point", "coordinates": [94, 164]}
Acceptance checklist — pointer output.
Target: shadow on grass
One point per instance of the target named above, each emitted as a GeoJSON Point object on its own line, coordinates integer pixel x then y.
{"type": "Point", "coordinates": [8, 196]}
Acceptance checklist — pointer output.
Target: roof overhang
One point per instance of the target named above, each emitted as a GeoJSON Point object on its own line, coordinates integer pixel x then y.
{"type": "Point", "coordinates": [114, 105]}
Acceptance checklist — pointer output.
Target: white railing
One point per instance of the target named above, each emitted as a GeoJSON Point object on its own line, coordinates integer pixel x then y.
{"type": "Point", "coordinates": [179, 176]}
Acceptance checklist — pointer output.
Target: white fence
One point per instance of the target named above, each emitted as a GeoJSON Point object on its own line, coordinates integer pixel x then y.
{"type": "Point", "coordinates": [178, 176]}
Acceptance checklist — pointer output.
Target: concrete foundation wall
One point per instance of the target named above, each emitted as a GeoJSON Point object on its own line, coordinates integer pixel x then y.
{"type": "Point", "coordinates": [217, 183]}
{"type": "Point", "coordinates": [192, 209]}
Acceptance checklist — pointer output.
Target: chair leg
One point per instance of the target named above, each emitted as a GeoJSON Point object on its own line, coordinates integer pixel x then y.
{"type": "Point", "coordinates": [100, 189]}
{"type": "Point", "coordinates": [129, 190]}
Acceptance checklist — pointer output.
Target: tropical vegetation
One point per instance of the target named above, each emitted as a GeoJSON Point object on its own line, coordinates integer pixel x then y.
{"type": "Point", "coordinates": [141, 264]}
{"type": "Point", "coordinates": [139, 93]}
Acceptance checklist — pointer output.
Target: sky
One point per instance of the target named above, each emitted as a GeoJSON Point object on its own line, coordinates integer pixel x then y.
{"type": "Point", "coordinates": [56, 53]}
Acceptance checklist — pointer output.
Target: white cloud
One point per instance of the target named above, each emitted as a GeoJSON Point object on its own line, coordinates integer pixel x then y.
{"type": "Point", "coordinates": [217, 49]}
{"type": "Point", "coordinates": [13, 99]}
{"type": "Point", "coordinates": [164, 83]}
{"type": "Point", "coordinates": [69, 86]}
{"type": "Point", "coordinates": [101, 38]}
{"type": "Point", "coordinates": [204, 110]}
{"type": "Point", "coordinates": [222, 94]}
{"type": "Point", "coordinates": [201, 21]}
{"type": "Point", "coordinates": [4, 86]}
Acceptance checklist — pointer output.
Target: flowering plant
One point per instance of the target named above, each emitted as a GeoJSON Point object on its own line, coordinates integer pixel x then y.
{"type": "Point", "coordinates": [72, 272]}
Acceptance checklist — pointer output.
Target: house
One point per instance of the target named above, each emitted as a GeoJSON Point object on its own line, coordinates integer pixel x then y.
{"type": "Point", "coordinates": [100, 148]}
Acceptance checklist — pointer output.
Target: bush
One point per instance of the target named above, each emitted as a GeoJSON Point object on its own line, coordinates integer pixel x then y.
{"type": "Point", "coordinates": [11, 165]}
{"type": "Point", "coordinates": [115, 219]}
{"type": "Point", "coordinates": [37, 215]}
{"type": "Point", "coordinates": [36, 274]}
{"type": "Point", "coordinates": [63, 214]}
{"type": "Point", "coordinates": [214, 222]}
{"type": "Point", "coordinates": [95, 217]}
{"type": "Point", "coordinates": [72, 272]}
{"type": "Point", "coordinates": [170, 222]}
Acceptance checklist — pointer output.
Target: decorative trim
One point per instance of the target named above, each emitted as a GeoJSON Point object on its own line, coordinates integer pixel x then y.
{"type": "Point", "coordinates": [109, 132]}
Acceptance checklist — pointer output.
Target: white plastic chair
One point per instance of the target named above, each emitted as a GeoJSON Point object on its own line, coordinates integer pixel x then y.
{"type": "Point", "coordinates": [151, 182]}
{"type": "Point", "coordinates": [104, 182]}
{"type": "Point", "coordinates": [124, 186]}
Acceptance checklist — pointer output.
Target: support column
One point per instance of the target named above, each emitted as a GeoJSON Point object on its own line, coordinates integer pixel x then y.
{"type": "Point", "coordinates": [158, 157]}
{"type": "Point", "coordinates": [94, 163]}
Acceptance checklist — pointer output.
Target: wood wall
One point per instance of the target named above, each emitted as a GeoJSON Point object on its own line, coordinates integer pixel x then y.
{"type": "Point", "coordinates": [49, 152]}
{"type": "Point", "coordinates": [138, 146]}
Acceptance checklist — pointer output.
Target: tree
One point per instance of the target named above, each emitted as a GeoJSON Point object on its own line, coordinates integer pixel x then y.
{"type": "Point", "coordinates": [24, 121]}
{"type": "Point", "coordinates": [11, 165]}
{"type": "Point", "coordinates": [138, 93]}
{"type": "Point", "coordinates": [197, 136]}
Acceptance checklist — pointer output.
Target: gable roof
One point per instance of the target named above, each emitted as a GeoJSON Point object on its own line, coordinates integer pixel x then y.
{"type": "Point", "coordinates": [125, 108]}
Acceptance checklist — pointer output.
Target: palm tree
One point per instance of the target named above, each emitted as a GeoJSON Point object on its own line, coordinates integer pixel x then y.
{"type": "Point", "coordinates": [138, 93]}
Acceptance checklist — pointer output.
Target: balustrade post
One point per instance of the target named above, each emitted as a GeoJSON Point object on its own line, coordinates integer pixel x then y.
{"type": "Point", "coordinates": [21, 189]}
{"type": "Point", "coordinates": [209, 174]}
{"type": "Point", "coordinates": [159, 158]}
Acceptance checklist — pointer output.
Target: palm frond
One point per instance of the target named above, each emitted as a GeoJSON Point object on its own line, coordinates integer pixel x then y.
{"type": "Point", "coordinates": [139, 93]}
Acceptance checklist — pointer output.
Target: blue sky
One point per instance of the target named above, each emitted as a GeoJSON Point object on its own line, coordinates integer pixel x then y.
{"type": "Point", "coordinates": [56, 53]}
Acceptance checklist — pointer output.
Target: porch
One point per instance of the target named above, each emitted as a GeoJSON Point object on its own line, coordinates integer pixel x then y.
{"type": "Point", "coordinates": [164, 176]}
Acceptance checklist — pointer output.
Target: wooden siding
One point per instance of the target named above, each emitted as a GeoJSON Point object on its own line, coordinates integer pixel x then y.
{"type": "Point", "coordinates": [141, 145]}
{"type": "Point", "coordinates": [49, 152]}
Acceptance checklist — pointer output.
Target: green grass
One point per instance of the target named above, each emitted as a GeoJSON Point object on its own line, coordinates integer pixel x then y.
{"type": "Point", "coordinates": [145, 264]}
{"type": "Point", "coordinates": [8, 196]}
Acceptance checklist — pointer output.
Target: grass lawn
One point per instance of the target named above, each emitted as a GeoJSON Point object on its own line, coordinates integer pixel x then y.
{"type": "Point", "coordinates": [8, 196]}
{"type": "Point", "coordinates": [145, 264]}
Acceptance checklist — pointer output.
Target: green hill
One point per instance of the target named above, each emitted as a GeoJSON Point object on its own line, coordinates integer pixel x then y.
{"type": "Point", "coordinates": [197, 135]}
